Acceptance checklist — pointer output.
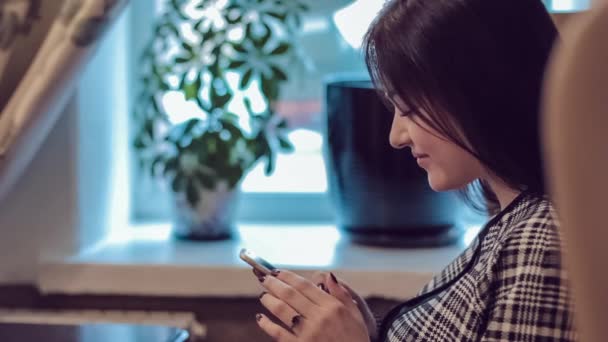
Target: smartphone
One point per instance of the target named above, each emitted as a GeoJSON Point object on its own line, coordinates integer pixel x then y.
{"type": "Point", "coordinates": [256, 262]}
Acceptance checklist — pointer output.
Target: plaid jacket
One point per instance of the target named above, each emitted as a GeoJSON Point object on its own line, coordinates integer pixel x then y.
{"type": "Point", "coordinates": [509, 285]}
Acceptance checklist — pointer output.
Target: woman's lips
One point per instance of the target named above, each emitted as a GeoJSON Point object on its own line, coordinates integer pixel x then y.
{"type": "Point", "coordinates": [422, 160]}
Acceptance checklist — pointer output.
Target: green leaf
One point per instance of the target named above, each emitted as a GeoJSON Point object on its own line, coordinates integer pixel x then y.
{"type": "Point", "coordinates": [297, 21]}
{"type": "Point", "coordinates": [278, 73]}
{"type": "Point", "coordinates": [205, 180]}
{"type": "Point", "coordinates": [281, 49]}
{"type": "Point", "coordinates": [209, 35]}
{"type": "Point", "coordinates": [239, 48]}
{"type": "Point", "coordinates": [148, 129]}
{"type": "Point", "coordinates": [215, 70]}
{"type": "Point", "coordinates": [187, 47]}
{"type": "Point", "coordinates": [219, 101]}
{"type": "Point", "coordinates": [283, 123]}
{"type": "Point", "coordinates": [285, 144]}
{"type": "Point", "coordinates": [202, 105]}
{"type": "Point", "coordinates": [234, 175]}
{"type": "Point", "coordinates": [179, 183]}
{"type": "Point", "coordinates": [249, 30]}
{"type": "Point", "coordinates": [246, 78]}
{"type": "Point", "coordinates": [266, 37]}
{"type": "Point", "coordinates": [280, 16]}
{"type": "Point", "coordinates": [170, 166]}
{"type": "Point", "coordinates": [235, 131]}
{"type": "Point", "coordinates": [260, 42]}
{"type": "Point", "coordinates": [197, 26]}
{"type": "Point", "coordinates": [236, 64]}
{"type": "Point", "coordinates": [269, 164]}
{"type": "Point", "coordinates": [238, 19]}
{"type": "Point", "coordinates": [303, 7]}
{"type": "Point", "coordinates": [182, 60]}
{"type": "Point", "coordinates": [191, 90]}
{"type": "Point", "coordinates": [189, 126]}
{"type": "Point", "coordinates": [270, 88]}
{"type": "Point", "coordinates": [230, 117]}
{"type": "Point", "coordinates": [176, 6]}
{"type": "Point", "coordinates": [247, 103]}
{"type": "Point", "coordinates": [164, 87]}
{"type": "Point", "coordinates": [155, 163]}
{"type": "Point", "coordinates": [154, 104]}
{"type": "Point", "coordinates": [260, 145]}
{"type": "Point", "coordinates": [139, 143]}
{"type": "Point", "coordinates": [192, 194]}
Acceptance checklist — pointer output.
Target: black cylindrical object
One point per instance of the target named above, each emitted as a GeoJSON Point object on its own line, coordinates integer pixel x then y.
{"type": "Point", "coordinates": [381, 196]}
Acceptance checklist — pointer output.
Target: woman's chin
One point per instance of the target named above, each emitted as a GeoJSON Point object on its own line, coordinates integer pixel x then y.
{"type": "Point", "coordinates": [440, 184]}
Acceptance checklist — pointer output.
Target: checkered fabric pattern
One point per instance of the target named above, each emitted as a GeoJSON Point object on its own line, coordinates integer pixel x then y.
{"type": "Point", "coordinates": [509, 285]}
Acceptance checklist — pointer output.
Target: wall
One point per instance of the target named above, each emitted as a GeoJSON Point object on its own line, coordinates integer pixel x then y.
{"type": "Point", "coordinates": [103, 190]}
{"type": "Point", "coordinates": [38, 217]}
{"type": "Point", "coordinates": [74, 191]}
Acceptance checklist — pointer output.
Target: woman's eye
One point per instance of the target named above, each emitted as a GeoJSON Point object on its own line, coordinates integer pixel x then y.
{"type": "Point", "coordinates": [406, 113]}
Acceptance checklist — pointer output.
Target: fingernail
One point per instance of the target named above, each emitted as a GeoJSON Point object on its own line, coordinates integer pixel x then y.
{"type": "Point", "coordinates": [261, 279]}
{"type": "Point", "coordinates": [262, 294]}
{"type": "Point", "coordinates": [323, 287]}
{"type": "Point", "coordinates": [259, 275]}
{"type": "Point", "coordinates": [333, 277]}
{"type": "Point", "coordinates": [275, 273]}
{"type": "Point", "coordinates": [258, 317]}
{"type": "Point", "coordinates": [295, 320]}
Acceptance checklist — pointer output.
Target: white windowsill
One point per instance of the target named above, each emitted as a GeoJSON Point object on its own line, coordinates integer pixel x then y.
{"type": "Point", "coordinates": [146, 261]}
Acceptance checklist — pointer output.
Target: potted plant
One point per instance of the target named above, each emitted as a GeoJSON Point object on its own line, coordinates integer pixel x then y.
{"type": "Point", "coordinates": [217, 55]}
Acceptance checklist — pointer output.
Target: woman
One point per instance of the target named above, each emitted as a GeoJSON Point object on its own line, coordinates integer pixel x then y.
{"type": "Point", "coordinates": [463, 78]}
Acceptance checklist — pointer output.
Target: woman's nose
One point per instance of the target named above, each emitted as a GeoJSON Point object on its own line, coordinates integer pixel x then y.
{"type": "Point", "coordinates": [399, 136]}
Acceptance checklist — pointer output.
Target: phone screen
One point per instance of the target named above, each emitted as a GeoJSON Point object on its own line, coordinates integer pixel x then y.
{"type": "Point", "coordinates": [256, 261]}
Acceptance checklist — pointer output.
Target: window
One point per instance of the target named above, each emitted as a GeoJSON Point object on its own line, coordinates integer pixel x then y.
{"type": "Point", "coordinates": [567, 5]}
{"type": "Point", "coordinates": [297, 190]}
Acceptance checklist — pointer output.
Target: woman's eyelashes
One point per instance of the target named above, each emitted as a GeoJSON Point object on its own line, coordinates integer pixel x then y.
{"type": "Point", "coordinates": [399, 110]}
{"type": "Point", "coordinates": [409, 112]}
{"type": "Point", "coordinates": [404, 112]}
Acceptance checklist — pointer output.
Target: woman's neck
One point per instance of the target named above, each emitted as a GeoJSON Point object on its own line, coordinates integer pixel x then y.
{"type": "Point", "coordinates": [504, 193]}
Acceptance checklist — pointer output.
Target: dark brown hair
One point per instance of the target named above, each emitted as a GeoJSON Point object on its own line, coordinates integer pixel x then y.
{"type": "Point", "coordinates": [475, 67]}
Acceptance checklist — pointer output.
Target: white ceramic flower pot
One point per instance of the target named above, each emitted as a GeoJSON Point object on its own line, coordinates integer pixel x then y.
{"type": "Point", "coordinates": [212, 219]}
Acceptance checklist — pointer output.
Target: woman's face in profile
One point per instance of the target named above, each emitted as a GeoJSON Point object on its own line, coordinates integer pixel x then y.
{"type": "Point", "coordinates": [448, 166]}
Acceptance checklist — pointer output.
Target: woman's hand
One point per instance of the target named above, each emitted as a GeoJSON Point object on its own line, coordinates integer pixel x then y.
{"type": "Point", "coordinates": [368, 316]}
{"type": "Point", "coordinates": [311, 313]}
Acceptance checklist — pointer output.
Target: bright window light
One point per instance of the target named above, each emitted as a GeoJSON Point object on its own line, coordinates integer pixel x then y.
{"type": "Point", "coordinates": [314, 25]}
{"type": "Point", "coordinates": [299, 172]}
{"type": "Point", "coordinates": [353, 20]}
{"type": "Point", "coordinates": [178, 109]}
{"type": "Point", "coordinates": [295, 238]}
{"type": "Point", "coordinates": [569, 5]}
